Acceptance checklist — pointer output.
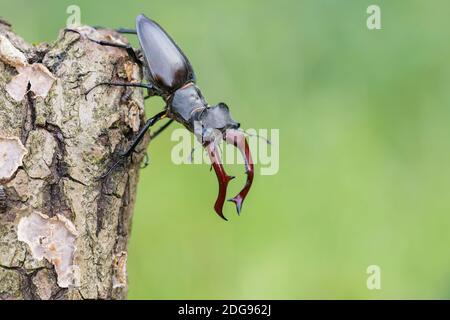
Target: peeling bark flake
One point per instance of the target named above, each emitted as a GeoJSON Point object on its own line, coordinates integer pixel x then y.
{"type": "Point", "coordinates": [12, 152]}
{"type": "Point", "coordinates": [52, 239]}
{"type": "Point", "coordinates": [120, 270]}
{"type": "Point", "coordinates": [10, 54]}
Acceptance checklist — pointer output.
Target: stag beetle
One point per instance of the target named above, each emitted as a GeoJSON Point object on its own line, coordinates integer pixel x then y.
{"type": "Point", "coordinates": [171, 77]}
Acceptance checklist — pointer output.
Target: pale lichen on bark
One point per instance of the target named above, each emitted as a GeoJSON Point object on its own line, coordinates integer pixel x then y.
{"type": "Point", "coordinates": [73, 227]}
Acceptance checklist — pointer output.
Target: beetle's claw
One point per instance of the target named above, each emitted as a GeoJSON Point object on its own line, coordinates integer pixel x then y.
{"type": "Point", "coordinates": [146, 161]}
{"type": "Point", "coordinates": [86, 93]}
{"type": "Point", "coordinates": [110, 170]}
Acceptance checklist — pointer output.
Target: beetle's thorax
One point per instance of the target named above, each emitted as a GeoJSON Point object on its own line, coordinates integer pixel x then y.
{"type": "Point", "coordinates": [185, 103]}
{"type": "Point", "coordinates": [188, 106]}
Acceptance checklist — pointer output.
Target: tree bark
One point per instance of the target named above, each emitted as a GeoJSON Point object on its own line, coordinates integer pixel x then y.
{"type": "Point", "coordinates": [63, 230]}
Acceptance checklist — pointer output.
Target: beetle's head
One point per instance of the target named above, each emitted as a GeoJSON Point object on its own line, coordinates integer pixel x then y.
{"type": "Point", "coordinates": [213, 122]}
{"type": "Point", "coordinates": [213, 125]}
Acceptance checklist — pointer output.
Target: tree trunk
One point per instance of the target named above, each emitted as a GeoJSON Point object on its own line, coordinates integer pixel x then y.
{"type": "Point", "coordinates": [64, 230]}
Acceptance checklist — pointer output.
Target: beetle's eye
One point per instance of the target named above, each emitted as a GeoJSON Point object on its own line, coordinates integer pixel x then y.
{"type": "Point", "coordinates": [223, 105]}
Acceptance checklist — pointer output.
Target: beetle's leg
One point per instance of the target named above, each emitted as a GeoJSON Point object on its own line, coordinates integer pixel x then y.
{"type": "Point", "coordinates": [134, 55]}
{"type": "Point", "coordinates": [222, 177]}
{"type": "Point", "coordinates": [125, 154]}
{"type": "Point", "coordinates": [147, 86]}
{"type": "Point", "coordinates": [119, 30]}
{"type": "Point", "coordinates": [191, 157]}
{"type": "Point", "coordinates": [153, 135]}
{"type": "Point", "coordinates": [127, 47]}
{"type": "Point", "coordinates": [238, 139]}
{"type": "Point", "coordinates": [126, 31]}
{"type": "Point", "coordinates": [150, 122]}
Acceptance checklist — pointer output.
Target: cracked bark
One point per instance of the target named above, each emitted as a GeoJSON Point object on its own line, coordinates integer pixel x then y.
{"type": "Point", "coordinates": [71, 141]}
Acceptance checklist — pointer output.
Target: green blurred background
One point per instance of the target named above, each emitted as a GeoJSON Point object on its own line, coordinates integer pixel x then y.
{"type": "Point", "coordinates": [364, 139]}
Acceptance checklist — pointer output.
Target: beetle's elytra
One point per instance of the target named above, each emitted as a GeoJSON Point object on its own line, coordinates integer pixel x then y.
{"type": "Point", "coordinates": [171, 77]}
{"type": "Point", "coordinates": [169, 68]}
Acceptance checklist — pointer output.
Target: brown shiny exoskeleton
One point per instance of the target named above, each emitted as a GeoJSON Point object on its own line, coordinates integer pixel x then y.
{"type": "Point", "coordinates": [170, 76]}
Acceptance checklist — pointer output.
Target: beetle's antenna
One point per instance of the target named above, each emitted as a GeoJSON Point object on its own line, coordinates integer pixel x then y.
{"type": "Point", "coordinates": [255, 135]}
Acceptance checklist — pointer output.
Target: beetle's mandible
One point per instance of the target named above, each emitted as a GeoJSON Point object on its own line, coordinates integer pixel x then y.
{"type": "Point", "coordinates": [171, 77]}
